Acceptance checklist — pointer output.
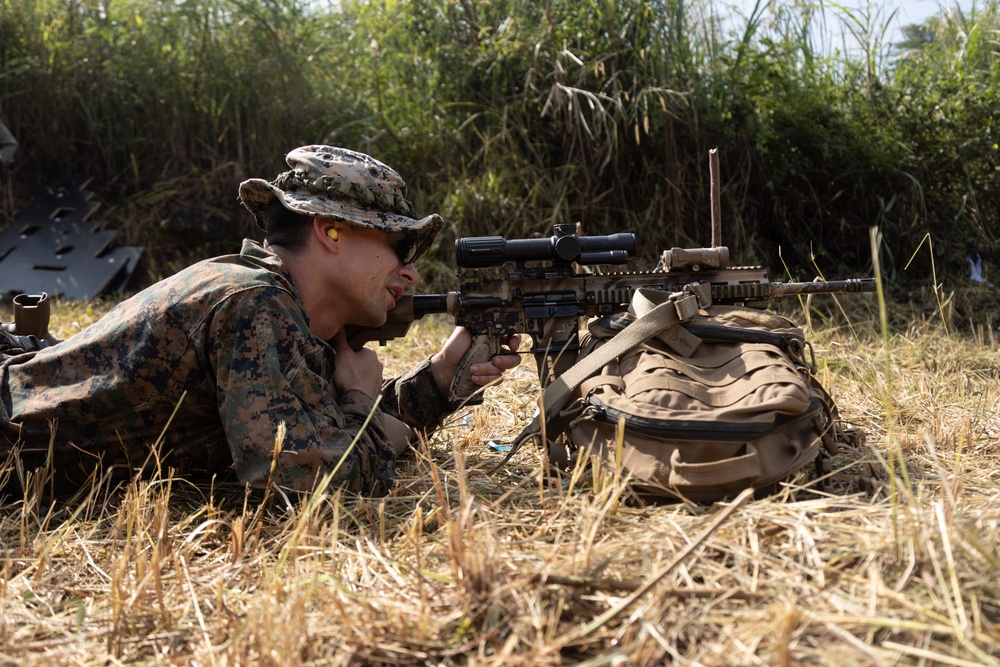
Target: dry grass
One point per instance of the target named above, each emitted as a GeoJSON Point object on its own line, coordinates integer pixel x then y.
{"type": "Point", "coordinates": [900, 566]}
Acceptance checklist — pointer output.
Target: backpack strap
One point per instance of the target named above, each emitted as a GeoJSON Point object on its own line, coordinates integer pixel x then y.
{"type": "Point", "coordinates": [657, 312]}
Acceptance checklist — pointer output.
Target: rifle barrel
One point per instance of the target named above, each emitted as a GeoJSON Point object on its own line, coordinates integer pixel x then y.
{"type": "Point", "coordinates": [849, 286]}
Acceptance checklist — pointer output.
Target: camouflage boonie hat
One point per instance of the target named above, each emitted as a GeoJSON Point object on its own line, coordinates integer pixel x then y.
{"type": "Point", "coordinates": [352, 187]}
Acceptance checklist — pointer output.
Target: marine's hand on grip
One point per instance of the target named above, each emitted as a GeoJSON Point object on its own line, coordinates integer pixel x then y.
{"type": "Point", "coordinates": [466, 364]}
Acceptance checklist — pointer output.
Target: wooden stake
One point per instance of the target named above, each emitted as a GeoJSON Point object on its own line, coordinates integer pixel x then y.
{"type": "Point", "coordinates": [713, 170]}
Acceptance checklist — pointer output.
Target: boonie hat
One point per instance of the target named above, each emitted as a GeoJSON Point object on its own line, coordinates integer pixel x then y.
{"type": "Point", "coordinates": [338, 183]}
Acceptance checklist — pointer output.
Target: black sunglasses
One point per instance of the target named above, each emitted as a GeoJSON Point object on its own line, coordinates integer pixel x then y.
{"type": "Point", "coordinates": [405, 246]}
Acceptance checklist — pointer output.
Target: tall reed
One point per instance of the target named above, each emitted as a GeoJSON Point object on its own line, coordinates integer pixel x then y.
{"type": "Point", "coordinates": [512, 115]}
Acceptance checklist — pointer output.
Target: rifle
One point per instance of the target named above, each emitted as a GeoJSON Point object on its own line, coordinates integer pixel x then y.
{"type": "Point", "coordinates": [542, 287]}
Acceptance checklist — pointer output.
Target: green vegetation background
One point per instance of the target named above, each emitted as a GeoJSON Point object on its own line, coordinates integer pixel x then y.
{"type": "Point", "coordinates": [507, 116]}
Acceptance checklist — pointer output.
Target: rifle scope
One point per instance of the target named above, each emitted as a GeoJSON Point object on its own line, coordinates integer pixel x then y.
{"type": "Point", "coordinates": [482, 251]}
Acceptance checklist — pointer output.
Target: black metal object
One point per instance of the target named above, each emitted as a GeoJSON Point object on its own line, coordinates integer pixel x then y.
{"type": "Point", "coordinates": [562, 249]}
{"type": "Point", "coordinates": [53, 246]}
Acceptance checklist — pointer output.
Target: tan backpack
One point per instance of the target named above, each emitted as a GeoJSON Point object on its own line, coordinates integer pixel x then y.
{"type": "Point", "coordinates": [702, 404]}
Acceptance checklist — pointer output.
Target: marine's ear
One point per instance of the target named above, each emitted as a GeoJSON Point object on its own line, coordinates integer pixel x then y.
{"type": "Point", "coordinates": [328, 233]}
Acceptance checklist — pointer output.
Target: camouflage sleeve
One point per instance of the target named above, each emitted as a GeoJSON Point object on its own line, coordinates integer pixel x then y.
{"type": "Point", "coordinates": [415, 398]}
{"type": "Point", "coordinates": [270, 370]}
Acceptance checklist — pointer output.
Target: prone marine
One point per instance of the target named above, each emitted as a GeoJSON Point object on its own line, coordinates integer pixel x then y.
{"type": "Point", "coordinates": [197, 372]}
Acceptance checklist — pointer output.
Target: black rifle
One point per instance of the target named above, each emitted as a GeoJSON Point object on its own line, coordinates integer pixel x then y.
{"type": "Point", "coordinates": [542, 287]}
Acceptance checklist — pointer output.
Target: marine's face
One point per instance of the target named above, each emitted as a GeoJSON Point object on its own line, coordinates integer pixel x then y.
{"type": "Point", "coordinates": [373, 277]}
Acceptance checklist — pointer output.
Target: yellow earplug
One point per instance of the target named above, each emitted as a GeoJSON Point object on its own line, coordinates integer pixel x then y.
{"type": "Point", "coordinates": [333, 233]}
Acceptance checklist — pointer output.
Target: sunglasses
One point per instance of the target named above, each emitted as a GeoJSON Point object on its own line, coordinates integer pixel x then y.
{"type": "Point", "coordinates": [404, 244]}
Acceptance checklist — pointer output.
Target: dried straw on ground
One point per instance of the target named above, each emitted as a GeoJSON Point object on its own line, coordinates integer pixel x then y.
{"type": "Point", "coordinates": [899, 565]}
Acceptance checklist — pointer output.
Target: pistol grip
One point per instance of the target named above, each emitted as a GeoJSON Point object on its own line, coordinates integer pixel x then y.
{"type": "Point", "coordinates": [463, 389]}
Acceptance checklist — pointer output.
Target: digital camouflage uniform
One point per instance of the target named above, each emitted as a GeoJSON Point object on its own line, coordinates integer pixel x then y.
{"type": "Point", "coordinates": [226, 344]}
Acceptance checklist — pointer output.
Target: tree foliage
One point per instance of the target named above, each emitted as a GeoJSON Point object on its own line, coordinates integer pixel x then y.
{"type": "Point", "coordinates": [511, 115]}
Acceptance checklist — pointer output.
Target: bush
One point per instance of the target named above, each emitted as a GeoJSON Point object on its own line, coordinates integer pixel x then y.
{"type": "Point", "coordinates": [509, 116]}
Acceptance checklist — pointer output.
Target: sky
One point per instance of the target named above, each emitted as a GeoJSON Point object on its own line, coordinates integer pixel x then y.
{"type": "Point", "coordinates": [915, 11]}
{"type": "Point", "coordinates": [907, 12]}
